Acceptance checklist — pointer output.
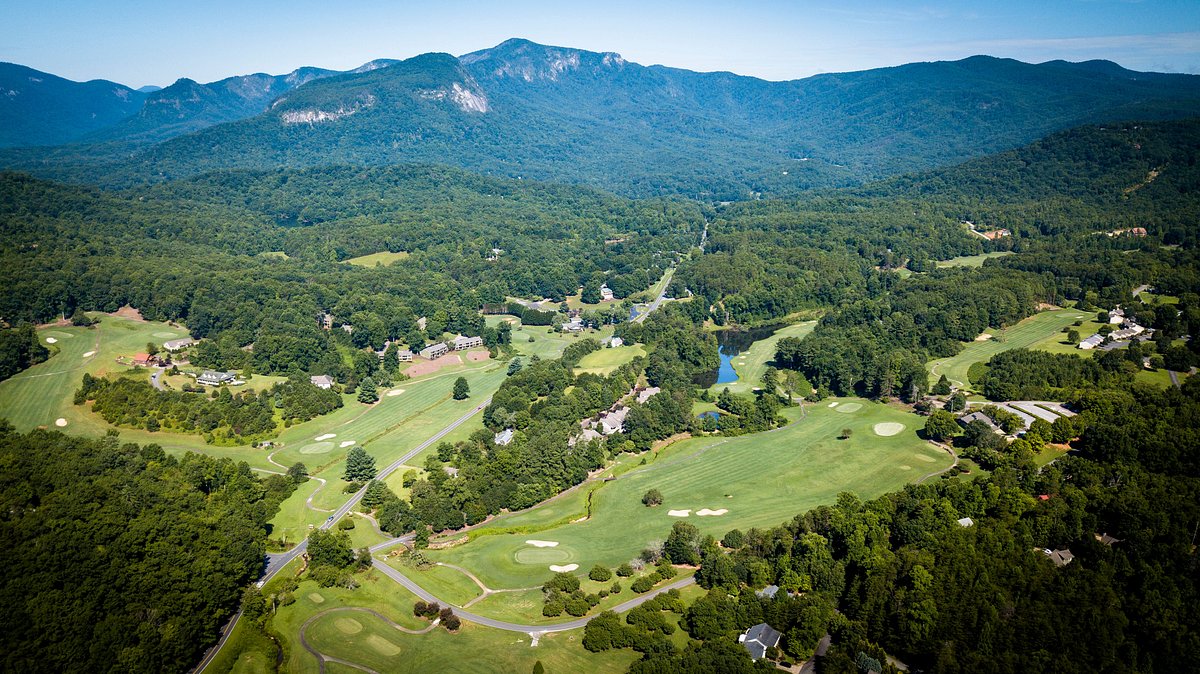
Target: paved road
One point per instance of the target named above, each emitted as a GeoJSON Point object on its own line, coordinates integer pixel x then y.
{"type": "Point", "coordinates": [653, 306]}
{"type": "Point", "coordinates": [517, 627]}
{"type": "Point", "coordinates": [276, 562]}
{"type": "Point", "coordinates": [155, 378]}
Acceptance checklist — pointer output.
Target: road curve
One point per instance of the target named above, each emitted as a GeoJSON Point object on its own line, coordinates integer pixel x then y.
{"type": "Point", "coordinates": [276, 562]}
{"type": "Point", "coordinates": [517, 627]}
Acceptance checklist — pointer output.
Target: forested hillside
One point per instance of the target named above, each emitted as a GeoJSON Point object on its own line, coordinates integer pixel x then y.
{"type": "Point", "coordinates": [526, 110]}
{"type": "Point", "coordinates": [43, 109]}
{"type": "Point", "coordinates": [119, 557]}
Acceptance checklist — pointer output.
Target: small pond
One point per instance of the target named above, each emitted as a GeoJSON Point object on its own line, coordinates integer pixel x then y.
{"type": "Point", "coordinates": [732, 342]}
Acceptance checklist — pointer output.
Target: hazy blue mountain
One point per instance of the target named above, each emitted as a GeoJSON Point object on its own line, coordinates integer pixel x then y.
{"type": "Point", "coordinates": [149, 88]}
{"type": "Point", "coordinates": [522, 109]}
{"type": "Point", "coordinates": [38, 108]}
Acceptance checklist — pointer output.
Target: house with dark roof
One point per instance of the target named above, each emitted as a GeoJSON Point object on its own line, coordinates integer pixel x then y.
{"type": "Point", "coordinates": [1105, 539]}
{"type": "Point", "coordinates": [214, 378]}
{"type": "Point", "coordinates": [758, 639]}
{"type": "Point", "coordinates": [979, 416]}
{"type": "Point", "coordinates": [435, 351]}
{"type": "Point", "coordinates": [1060, 557]}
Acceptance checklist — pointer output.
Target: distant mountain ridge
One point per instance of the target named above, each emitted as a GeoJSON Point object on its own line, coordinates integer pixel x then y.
{"type": "Point", "coordinates": [38, 108]}
{"type": "Point", "coordinates": [150, 114]}
{"type": "Point", "coordinates": [522, 109]}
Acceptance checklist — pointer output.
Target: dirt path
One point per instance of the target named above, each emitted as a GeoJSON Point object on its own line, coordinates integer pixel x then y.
{"type": "Point", "coordinates": [308, 501]}
{"type": "Point", "coordinates": [322, 658]}
{"type": "Point", "coordinates": [949, 450]}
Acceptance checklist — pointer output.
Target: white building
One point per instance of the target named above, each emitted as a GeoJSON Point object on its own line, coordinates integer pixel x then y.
{"type": "Point", "coordinates": [503, 437]}
{"type": "Point", "coordinates": [463, 343]}
{"type": "Point", "coordinates": [323, 381]}
{"type": "Point", "coordinates": [177, 344]}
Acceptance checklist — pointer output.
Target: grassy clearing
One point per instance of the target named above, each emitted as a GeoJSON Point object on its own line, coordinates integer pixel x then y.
{"type": "Point", "coordinates": [1057, 342]}
{"type": "Point", "coordinates": [605, 361]}
{"type": "Point", "coordinates": [971, 260]}
{"type": "Point", "coordinates": [275, 255]}
{"type": "Point", "coordinates": [366, 640]}
{"type": "Point", "coordinates": [383, 258]}
{"type": "Point", "coordinates": [808, 466]}
{"type": "Point", "coordinates": [547, 341]}
{"type": "Point", "coordinates": [1159, 378]}
{"type": "Point", "coordinates": [1046, 325]}
{"type": "Point", "coordinates": [753, 362]}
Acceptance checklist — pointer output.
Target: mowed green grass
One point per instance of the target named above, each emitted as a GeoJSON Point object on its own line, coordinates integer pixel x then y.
{"type": "Point", "coordinates": [971, 260]}
{"type": "Point", "coordinates": [762, 480]}
{"type": "Point", "coordinates": [753, 362]}
{"type": "Point", "coordinates": [363, 639]}
{"type": "Point", "coordinates": [605, 361]}
{"type": "Point", "coordinates": [1036, 328]}
{"type": "Point", "coordinates": [384, 258]}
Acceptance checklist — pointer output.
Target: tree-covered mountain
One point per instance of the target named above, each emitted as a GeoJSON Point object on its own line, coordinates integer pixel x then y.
{"type": "Point", "coordinates": [526, 110]}
{"type": "Point", "coordinates": [38, 108]}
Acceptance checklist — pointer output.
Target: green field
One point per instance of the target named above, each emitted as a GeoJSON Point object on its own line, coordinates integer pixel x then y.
{"type": "Point", "coordinates": [275, 255]}
{"type": "Point", "coordinates": [1040, 327]}
{"type": "Point", "coordinates": [367, 640]}
{"type": "Point", "coordinates": [971, 260]}
{"type": "Point", "coordinates": [605, 361]}
{"type": "Point", "coordinates": [761, 479]}
{"type": "Point", "coordinates": [752, 363]}
{"type": "Point", "coordinates": [383, 258]}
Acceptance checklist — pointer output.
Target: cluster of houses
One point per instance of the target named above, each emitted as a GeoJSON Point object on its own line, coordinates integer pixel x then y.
{"type": "Point", "coordinates": [612, 420]}
{"type": "Point", "coordinates": [1129, 329]}
{"type": "Point", "coordinates": [1026, 410]}
{"type": "Point", "coordinates": [435, 350]}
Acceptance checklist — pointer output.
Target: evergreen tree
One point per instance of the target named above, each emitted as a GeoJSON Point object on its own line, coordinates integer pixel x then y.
{"type": "Point", "coordinates": [360, 466]}
{"type": "Point", "coordinates": [942, 387]}
{"type": "Point", "coordinates": [514, 366]}
{"type": "Point", "coordinates": [367, 392]}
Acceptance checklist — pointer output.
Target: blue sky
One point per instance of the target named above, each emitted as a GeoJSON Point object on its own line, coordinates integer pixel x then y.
{"type": "Point", "coordinates": [140, 43]}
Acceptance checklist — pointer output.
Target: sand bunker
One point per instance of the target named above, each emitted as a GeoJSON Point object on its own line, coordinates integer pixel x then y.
{"type": "Point", "coordinates": [833, 404]}
{"type": "Point", "coordinates": [348, 625]}
{"type": "Point", "coordinates": [60, 422]}
{"type": "Point", "coordinates": [346, 444]}
{"type": "Point", "coordinates": [542, 544]}
{"type": "Point", "coordinates": [904, 467]}
{"type": "Point", "coordinates": [89, 354]}
{"type": "Point", "coordinates": [847, 408]}
{"type": "Point", "coordinates": [983, 337]}
{"type": "Point", "coordinates": [679, 513]}
{"type": "Point", "coordinates": [566, 568]}
{"type": "Point", "coordinates": [395, 392]}
{"type": "Point", "coordinates": [51, 340]}
{"type": "Point", "coordinates": [888, 428]}
{"type": "Point", "coordinates": [327, 436]}
{"type": "Point", "coordinates": [705, 512]}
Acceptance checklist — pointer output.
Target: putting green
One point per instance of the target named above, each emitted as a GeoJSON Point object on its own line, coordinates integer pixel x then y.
{"type": "Point", "coordinates": [533, 555]}
{"type": "Point", "coordinates": [317, 448]}
{"type": "Point", "coordinates": [925, 457]}
{"type": "Point", "coordinates": [57, 334]}
{"type": "Point", "coordinates": [888, 428]}
{"type": "Point", "coordinates": [166, 335]}
{"type": "Point", "coordinates": [847, 408]}
{"type": "Point", "coordinates": [348, 625]}
{"type": "Point", "coordinates": [316, 598]}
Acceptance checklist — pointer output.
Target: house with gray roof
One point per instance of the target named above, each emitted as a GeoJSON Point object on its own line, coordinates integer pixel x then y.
{"type": "Point", "coordinates": [322, 381]}
{"type": "Point", "coordinates": [979, 416]}
{"type": "Point", "coordinates": [435, 351]}
{"type": "Point", "coordinates": [215, 378]}
{"type": "Point", "coordinates": [503, 437]}
{"type": "Point", "coordinates": [177, 344]}
{"type": "Point", "coordinates": [461, 343]}
{"type": "Point", "coordinates": [758, 639]}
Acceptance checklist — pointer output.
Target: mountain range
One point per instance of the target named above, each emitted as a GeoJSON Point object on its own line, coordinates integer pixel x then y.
{"type": "Point", "coordinates": [527, 110]}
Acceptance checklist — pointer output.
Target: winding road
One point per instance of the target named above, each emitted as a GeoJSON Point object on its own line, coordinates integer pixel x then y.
{"type": "Point", "coordinates": [276, 562]}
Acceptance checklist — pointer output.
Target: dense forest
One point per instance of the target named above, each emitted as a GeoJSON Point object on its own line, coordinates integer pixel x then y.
{"type": "Point", "coordinates": [20, 349]}
{"type": "Point", "coordinates": [119, 557]}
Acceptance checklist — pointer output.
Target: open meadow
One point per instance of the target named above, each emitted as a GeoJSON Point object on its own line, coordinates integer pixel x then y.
{"type": "Point", "coordinates": [1040, 327]}
{"type": "Point", "coordinates": [384, 258]}
{"type": "Point", "coordinates": [757, 480]}
{"type": "Point", "coordinates": [605, 361]}
{"type": "Point", "coordinates": [753, 362]}
{"type": "Point", "coordinates": [972, 260]}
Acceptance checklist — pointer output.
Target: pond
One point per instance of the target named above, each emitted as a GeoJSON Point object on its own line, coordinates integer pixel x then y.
{"type": "Point", "coordinates": [711, 413]}
{"type": "Point", "coordinates": [732, 341]}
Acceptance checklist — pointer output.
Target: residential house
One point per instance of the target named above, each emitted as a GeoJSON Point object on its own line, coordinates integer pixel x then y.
{"type": "Point", "coordinates": [979, 416]}
{"type": "Point", "coordinates": [647, 393]}
{"type": "Point", "coordinates": [322, 381]}
{"type": "Point", "coordinates": [1092, 342]}
{"type": "Point", "coordinates": [613, 421]}
{"type": "Point", "coordinates": [1060, 557]}
{"type": "Point", "coordinates": [587, 435]}
{"type": "Point", "coordinates": [606, 293]}
{"type": "Point", "coordinates": [769, 592]}
{"type": "Point", "coordinates": [144, 360]}
{"type": "Point", "coordinates": [347, 328]}
{"type": "Point", "coordinates": [215, 378]}
{"type": "Point", "coordinates": [1116, 316]}
{"type": "Point", "coordinates": [404, 355]}
{"type": "Point", "coordinates": [433, 351]}
{"type": "Point", "coordinates": [966, 522]}
{"type": "Point", "coordinates": [614, 342]}
{"type": "Point", "coordinates": [463, 343]}
{"type": "Point", "coordinates": [758, 639]}
{"type": "Point", "coordinates": [421, 322]}
{"type": "Point", "coordinates": [574, 325]}
{"type": "Point", "coordinates": [177, 344]}
{"type": "Point", "coordinates": [503, 437]}
{"type": "Point", "coordinates": [1105, 539]}
{"type": "Point", "coordinates": [327, 321]}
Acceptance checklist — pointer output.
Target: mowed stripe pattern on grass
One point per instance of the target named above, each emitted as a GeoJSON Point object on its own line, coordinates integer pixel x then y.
{"type": "Point", "coordinates": [770, 476]}
{"type": "Point", "coordinates": [1022, 335]}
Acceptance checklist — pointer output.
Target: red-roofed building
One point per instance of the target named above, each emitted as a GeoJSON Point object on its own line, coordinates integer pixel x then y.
{"type": "Point", "coordinates": [143, 359]}
{"type": "Point", "coordinates": [1043, 497]}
